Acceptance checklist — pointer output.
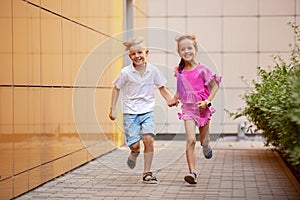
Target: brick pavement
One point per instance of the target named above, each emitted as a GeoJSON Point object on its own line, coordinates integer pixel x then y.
{"type": "Point", "coordinates": [238, 170]}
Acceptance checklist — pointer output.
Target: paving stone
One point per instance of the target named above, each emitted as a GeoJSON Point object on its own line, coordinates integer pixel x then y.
{"type": "Point", "coordinates": [238, 170]}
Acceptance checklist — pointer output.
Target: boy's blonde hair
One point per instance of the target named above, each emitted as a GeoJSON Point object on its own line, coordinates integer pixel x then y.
{"type": "Point", "coordinates": [133, 41]}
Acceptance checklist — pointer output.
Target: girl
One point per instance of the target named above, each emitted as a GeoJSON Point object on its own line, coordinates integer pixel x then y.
{"type": "Point", "coordinates": [196, 88]}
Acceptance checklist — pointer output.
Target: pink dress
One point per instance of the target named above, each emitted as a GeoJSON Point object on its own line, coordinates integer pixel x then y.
{"type": "Point", "coordinates": [192, 87]}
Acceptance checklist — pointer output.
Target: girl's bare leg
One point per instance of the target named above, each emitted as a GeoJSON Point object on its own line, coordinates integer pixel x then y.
{"type": "Point", "coordinates": [204, 140]}
{"type": "Point", "coordinates": [204, 135]}
{"type": "Point", "coordinates": [190, 143]}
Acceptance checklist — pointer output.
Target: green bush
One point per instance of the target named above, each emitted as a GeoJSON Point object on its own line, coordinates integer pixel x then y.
{"type": "Point", "coordinates": [273, 104]}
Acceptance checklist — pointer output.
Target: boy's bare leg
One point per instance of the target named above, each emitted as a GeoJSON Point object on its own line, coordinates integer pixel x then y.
{"type": "Point", "coordinates": [148, 151]}
{"type": "Point", "coordinates": [190, 144]}
{"type": "Point", "coordinates": [135, 148]}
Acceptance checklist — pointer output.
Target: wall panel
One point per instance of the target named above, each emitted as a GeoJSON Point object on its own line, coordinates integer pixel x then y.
{"type": "Point", "coordinates": [20, 130]}
{"type": "Point", "coordinates": [6, 133]}
{"type": "Point", "coordinates": [6, 187]}
{"type": "Point", "coordinates": [44, 45]}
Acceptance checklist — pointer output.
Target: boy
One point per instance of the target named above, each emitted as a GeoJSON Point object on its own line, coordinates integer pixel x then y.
{"type": "Point", "coordinates": [136, 82]}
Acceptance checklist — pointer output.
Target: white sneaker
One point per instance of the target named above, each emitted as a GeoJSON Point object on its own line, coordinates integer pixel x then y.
{"type": "Point", "coordinates": [191, 178]}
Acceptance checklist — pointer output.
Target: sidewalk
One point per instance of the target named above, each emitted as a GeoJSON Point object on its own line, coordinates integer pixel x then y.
{"type": "Point", "coordinates": [238, 170]}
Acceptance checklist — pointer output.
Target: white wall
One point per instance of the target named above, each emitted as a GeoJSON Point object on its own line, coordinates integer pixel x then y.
{"type": "Point", "coordinates": [235, 36]}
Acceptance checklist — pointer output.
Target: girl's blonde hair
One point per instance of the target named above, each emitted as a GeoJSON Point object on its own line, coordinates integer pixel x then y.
{"type": "Point", "coordinates": [132, 42]}
{"type": "Point", "coordinates": [190, 37]}
{"type": "Point", "coordinates": [179, 39]}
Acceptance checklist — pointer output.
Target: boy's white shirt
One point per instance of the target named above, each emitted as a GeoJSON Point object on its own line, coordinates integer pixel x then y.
{"type": "Point", "coordinates": [137, 92]}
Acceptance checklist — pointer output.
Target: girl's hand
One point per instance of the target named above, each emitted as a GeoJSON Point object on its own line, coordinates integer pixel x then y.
{"type": "Point", "coordinates": [202, 105]}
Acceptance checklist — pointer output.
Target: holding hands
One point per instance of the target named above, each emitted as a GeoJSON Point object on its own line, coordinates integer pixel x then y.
{"type": "Point", "coordinates": [173, 101]}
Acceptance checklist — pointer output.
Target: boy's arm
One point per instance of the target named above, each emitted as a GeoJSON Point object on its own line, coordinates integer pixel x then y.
{"type": "Point", "coordinates": [176, 98]}
{"type": "Point", "coordinates": [114, 99]}
{"type": "Point", "coordinates": [167, 96]}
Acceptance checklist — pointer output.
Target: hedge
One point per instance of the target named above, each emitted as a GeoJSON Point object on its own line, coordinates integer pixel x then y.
{"type": "Point", "coordinates": [273, 103]}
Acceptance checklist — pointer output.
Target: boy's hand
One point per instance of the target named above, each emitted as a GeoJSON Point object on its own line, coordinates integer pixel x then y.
{"type": "Point", "coordinates": [112, 114]}
{"type": "Point", "coordinates": [173, 102]}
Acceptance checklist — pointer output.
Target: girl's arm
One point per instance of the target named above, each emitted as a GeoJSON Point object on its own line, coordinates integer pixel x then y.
{"type": "Point", "coordinates": [114, 99]}
{"type": "Point", "coordinates": [167, 96]}
{"type": "Point", "coordinates": [213, 91]}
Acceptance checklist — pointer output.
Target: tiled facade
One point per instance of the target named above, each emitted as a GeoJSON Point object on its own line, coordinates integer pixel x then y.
{"type": "Point", "coordinates": [44, 46]}
{"type": "Point", "coordinates": [235, 36]}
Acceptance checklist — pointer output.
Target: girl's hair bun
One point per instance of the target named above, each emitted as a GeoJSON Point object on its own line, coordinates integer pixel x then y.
{"type": "Point", "coordinates": [188, 36]}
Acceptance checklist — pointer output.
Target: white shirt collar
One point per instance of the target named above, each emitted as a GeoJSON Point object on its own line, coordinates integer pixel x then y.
{"type": "Point", "coordinates": [135, 71]}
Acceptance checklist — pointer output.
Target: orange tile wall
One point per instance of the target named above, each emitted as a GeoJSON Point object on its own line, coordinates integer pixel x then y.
{"type": "Point", "coordinates": [43, 45]}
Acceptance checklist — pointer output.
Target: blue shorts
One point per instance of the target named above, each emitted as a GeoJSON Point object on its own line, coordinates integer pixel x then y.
{"type": "Point", "coordinates": [135, 125]}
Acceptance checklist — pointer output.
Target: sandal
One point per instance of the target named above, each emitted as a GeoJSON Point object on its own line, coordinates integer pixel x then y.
{"type": "Point", "coordinates": [207, 151]}
{"type": "Point", "coordinates": [191, 178]}
{"type": "Point", "coordinates": [149, 178]}
{"type": "Point", "coordinates": [131, 163]}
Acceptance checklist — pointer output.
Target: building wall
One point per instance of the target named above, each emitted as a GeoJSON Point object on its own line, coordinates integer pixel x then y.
{"type": "Point", "coordinates": [59, 57]}
{"type": "Point", "coordinates": [45, 48]}
{"type": "Point", "coordinates": [140, 13]}
{"type": "Point", "coordinates": [235, 36]}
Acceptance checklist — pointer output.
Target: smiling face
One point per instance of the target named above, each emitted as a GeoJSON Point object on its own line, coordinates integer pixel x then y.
{"type": "Point", "coordinates": [187, 50]}
{"type": "Point", "coordinates": [138, 55]}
